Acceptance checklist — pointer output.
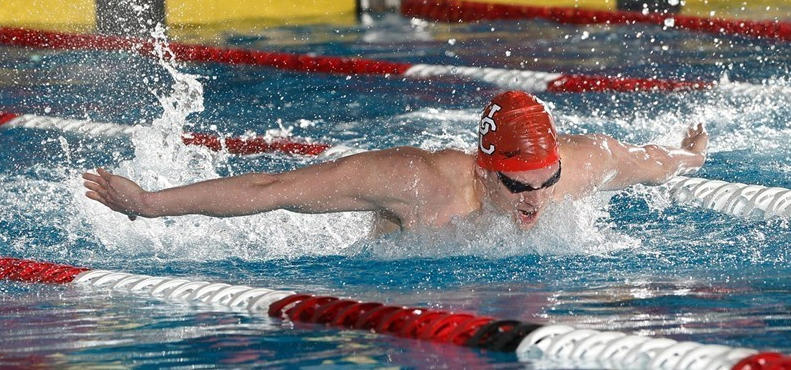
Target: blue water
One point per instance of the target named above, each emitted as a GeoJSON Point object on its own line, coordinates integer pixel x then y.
{"type": "Point", "coordinates": [629, 261]}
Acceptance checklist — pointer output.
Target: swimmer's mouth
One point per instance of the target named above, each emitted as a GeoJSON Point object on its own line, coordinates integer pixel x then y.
{"type": "Point", "coordinates": [526, 213]}
{"type": "Point", "coordinates": [527, 217]}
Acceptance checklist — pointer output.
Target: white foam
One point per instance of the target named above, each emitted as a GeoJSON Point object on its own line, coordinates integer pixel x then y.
{"type": "Point", "coordinates": [161, 161]}
{"type": "Point", "coordinates": [569, 227]}
{"type": "Point", "coordinates": [735, 119]}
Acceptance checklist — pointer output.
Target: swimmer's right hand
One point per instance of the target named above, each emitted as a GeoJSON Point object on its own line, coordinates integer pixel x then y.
{"type": "Point", "coordinates": [117, 193]}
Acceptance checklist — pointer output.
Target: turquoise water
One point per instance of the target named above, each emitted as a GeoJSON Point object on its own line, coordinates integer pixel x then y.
{"type": "Point", "coordinates": [629, 261]}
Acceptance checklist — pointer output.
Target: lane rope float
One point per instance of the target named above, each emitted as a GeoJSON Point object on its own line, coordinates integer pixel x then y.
{"type": "Point", "coordinates": [452, 11]}
{"type": "Point", "coordinates": [584, 347]}
{"type": "Point", "coordinates": [234, 145]}
{"type": "Point", "coordinates": [506, 78]}
{"type": "Point", "coordinates": [733, 198]}
{"type": "Point", "coordinates": [737, 199]}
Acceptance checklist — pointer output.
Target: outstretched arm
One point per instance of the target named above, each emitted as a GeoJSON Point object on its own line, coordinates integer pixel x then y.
{"type": "Point", "coordinates": [654, 164]}
{"type": "Point", "coordinates": [360, 182]}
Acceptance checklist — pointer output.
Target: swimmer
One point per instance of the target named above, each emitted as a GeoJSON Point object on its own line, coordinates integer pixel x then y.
{"type": "Point", "coordinates": [521, 166]}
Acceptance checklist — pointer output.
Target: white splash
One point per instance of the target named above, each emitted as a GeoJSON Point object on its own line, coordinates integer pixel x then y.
{"type": "Point", "coordinates": [736, 119]}
{"type": "Point", "coordinates": [568, 227]}
{"type": "Point", "coordinates": [161, 161]}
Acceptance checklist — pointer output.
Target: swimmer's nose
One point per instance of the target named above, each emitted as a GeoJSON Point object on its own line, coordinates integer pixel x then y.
{"type": "Point", "coordinates": [532, 199]}
{"type": "Point", "coordinates": [529, 197]}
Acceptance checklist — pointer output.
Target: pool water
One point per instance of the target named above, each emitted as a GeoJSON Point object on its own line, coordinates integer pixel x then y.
{"type": "Point", "coordinates": [630, 261]}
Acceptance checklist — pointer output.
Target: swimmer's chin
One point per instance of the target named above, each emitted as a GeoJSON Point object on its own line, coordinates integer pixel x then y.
{"type": "Point", "coordinates": [526, 220]}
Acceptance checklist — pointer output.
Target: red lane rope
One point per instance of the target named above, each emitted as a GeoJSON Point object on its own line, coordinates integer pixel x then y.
{"type": "Point", "coordinates": [426, 324]}
{"type": "Point", "coordinates": [37, 272]}
{"type": "Point", "coordinates": [305, 63]}
{"type": "Point", "coordinates": [466, 330]}
{"type": "Point", "coordinates": [199, 53]}
{"type": "Point", "coordinates": [69, 41]}
{"type": "Point", "coordinates": [294, 62]}
{"type": "Point", "coordinates": [258, 145]}
{"type": "Point", "coordinates": [370, 320]}
{"type": "Point", "coordinates": [349, 316]}
{"type": "Point", "coordinates": [441, 329]}
{"type": "Point", "coordinates": [7, 117]}
{"type": "Point", "coordinates": [468, 11]}
{"type": "Point", "coordinates": [414, 327]}
{"type": "Point", "coordinates": [305, 310]}
{"type": "Point", "coordinates": [326, 313]}
{"type": "Point", "coordinates": [394, 322]}
{"type": "Point", "coordinates": [434, 325]}
{"type": "Point", "coordinates": [580, 83]}
{"type": "Point", "coordinates": [764, 361]}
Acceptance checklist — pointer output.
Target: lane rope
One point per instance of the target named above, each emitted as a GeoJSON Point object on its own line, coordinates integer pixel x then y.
{"type": "Point", "coordinates": [583, 347]}
{"type": "Point", "coordinates": [517, 79]}
{"type": "Point", "coordinates": [234, 145]}
{"type": "Point", "coordinates": [733, 198]}
{"type": "Point", "coordinates": [453, 11]}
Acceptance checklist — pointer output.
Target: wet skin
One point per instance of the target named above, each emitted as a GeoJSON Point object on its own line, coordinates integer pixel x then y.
{"type": "Point", "coordinates": [408, 187]}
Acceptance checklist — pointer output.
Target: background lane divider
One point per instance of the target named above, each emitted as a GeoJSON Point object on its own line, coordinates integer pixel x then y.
{"type": "Point", "coordinates": [530, 341]}
{"type": "Point", "coordinates": [527, 80]}
{"type": "Point", "coordinates": [453, 11]}
{"type": "Point", "coordinates": [234, 145]}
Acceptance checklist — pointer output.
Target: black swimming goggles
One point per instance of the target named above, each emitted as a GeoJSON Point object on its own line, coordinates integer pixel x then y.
{"type": "Point", "coordinates": [519, 187]}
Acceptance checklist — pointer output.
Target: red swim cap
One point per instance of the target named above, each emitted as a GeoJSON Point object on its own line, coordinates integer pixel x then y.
{"type": "Point", "coordinates": [516, 134]}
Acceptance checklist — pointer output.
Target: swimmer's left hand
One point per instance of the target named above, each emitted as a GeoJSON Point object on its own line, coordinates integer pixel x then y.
{"type": "Point", "coordinates": [697, 140]}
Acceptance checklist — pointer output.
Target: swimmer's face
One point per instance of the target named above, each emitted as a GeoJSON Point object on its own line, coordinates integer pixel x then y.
{"type": "Point", "coordinates": [510, 192]}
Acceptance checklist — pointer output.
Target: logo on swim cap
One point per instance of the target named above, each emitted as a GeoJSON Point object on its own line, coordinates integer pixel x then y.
{"type": "Point", "coordinates": [487, 123]}
{"type": "Point", "coordinates": [516, 133]}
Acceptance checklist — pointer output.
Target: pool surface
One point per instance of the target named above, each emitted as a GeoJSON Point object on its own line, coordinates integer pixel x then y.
{"type": "Point", "coordinates": [630, 261]}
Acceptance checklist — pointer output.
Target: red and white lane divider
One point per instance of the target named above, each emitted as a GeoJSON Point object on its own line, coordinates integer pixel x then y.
{"type": "Point", "coordinates": [454, 11]}
{"type": "Point", "coordinates": [585, 348]}
{"type": "Point", "coordinates": [234, 145]}
{"type": "Point", "coordinates": [505, 78]}
{"type": "Point", "coordinates": [737, 199]}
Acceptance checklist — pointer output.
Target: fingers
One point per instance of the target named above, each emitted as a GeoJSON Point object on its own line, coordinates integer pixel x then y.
{"type": "Point", "coordinates": [94, 178]}
{"type": "Point", "coordinates": [104, 174]}
{"type": "Point", "coordinates": [91, 177]}
{"type": "Point", "coordinates": [94, 186]}
{"type": "Point", "coordinates": [97, 185]}
{"type": "Point", "coordinates": [99, 189]}
{"type": "Point", "coordinates": [95, 196]}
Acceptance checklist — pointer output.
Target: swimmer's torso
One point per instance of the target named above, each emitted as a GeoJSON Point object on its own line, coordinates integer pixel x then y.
{"type": "Point", "coordinates": [440, 185]}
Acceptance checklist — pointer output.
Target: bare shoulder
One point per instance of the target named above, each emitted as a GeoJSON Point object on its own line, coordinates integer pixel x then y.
{"type": "Point", "coordinates": [586, 159]}
{"type": "Point", "coordinates": [416, 157]}
{"type": "Point", "coordinates": [403, 156]}
{"type": "Point", "coordinates": [454, 165]}
{"type": "Point", "coordinates": [405, 163]}
{"type": "Point", "coordinates": [586, 147]}
{"type": "Point", "coordinates": [587, 140]}
{"type": "Point", "coordinates": [452, 156]}
{"type": "Point", "coordinates": [429, 169]}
